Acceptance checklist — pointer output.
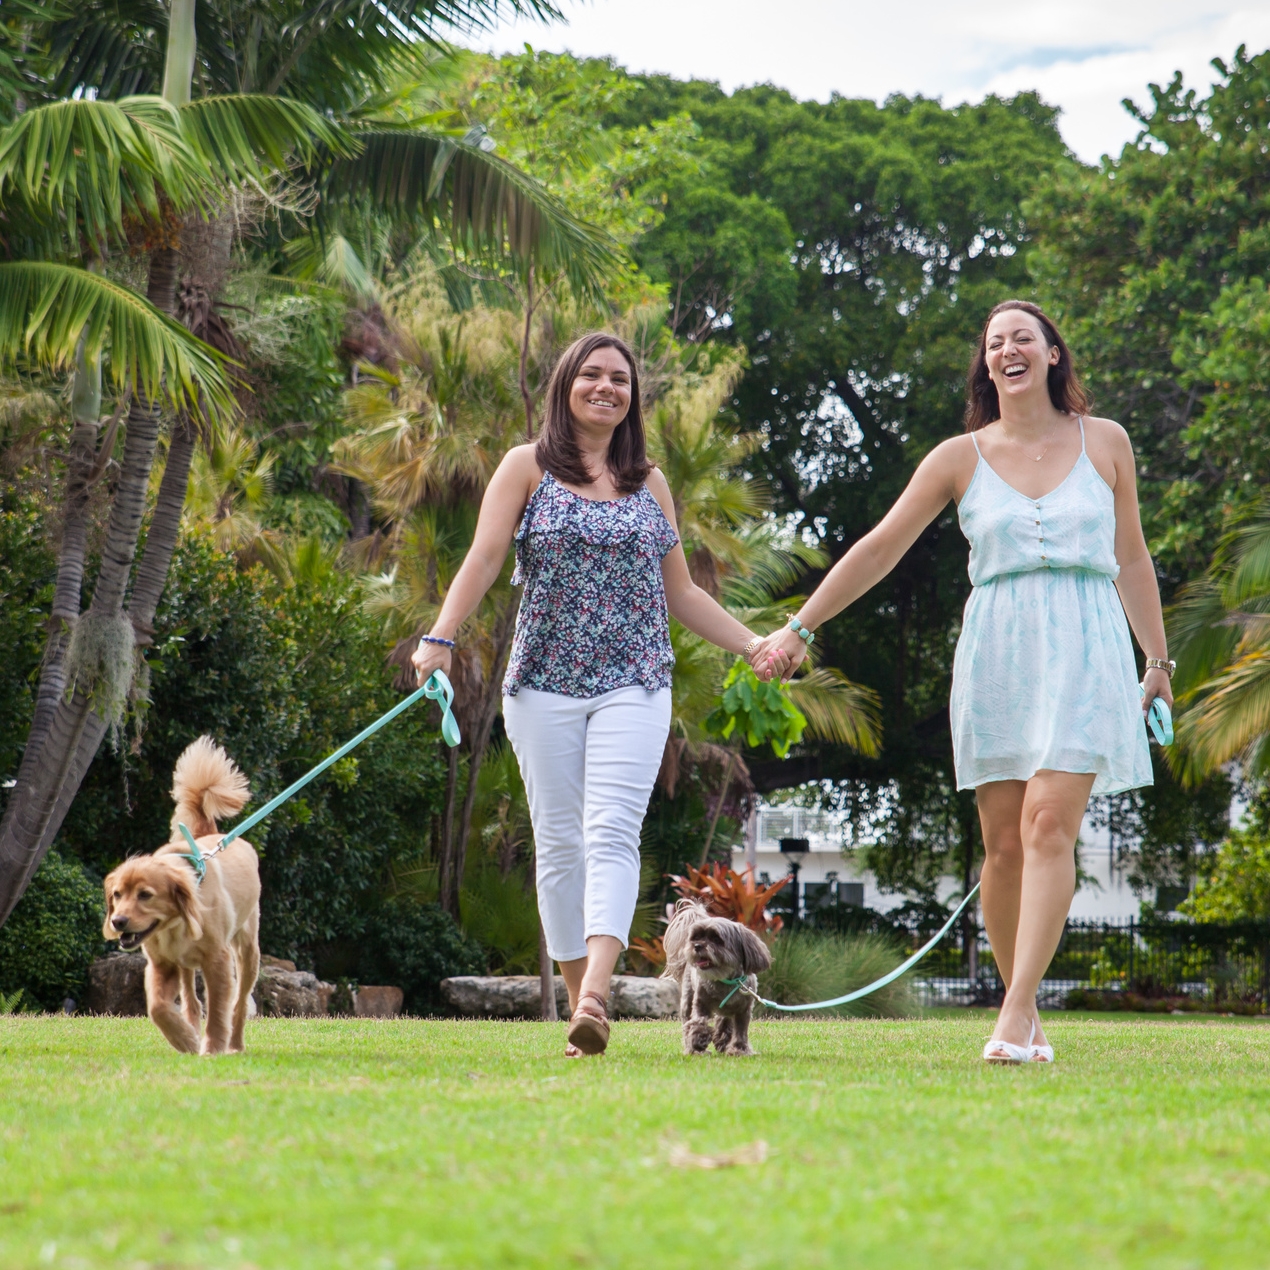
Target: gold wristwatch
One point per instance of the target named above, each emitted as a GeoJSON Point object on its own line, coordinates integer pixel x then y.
{"type": "Point", "coordinates": [1161, 663]}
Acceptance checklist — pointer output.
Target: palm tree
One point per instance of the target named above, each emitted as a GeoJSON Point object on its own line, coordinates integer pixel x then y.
{"type": "Point", "coordinates": [109, 47]}
{"type": "Point", "coordinates": [1219, 630]}
{"type": "Point", "coordinates": [427, 441]}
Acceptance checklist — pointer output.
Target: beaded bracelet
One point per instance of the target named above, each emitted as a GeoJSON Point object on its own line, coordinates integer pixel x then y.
{"type": "Point", "coordinates": [436, 639]}
{"type": "Point", "coordinates": [808, 637]}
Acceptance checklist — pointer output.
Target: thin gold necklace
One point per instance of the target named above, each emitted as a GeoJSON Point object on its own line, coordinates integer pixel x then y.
{"type": "Point", "coordinates": [1048, 443]}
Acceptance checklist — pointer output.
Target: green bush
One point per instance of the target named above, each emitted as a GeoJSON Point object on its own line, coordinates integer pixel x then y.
{"type": "Point", "coordinates": [415, 946]}
{"type": "Point", "coordinates": [813, 966]}
{"type": "Point", "coordinates": [52, 934]}
{"type": "Point", "coordinates": [279, 675]}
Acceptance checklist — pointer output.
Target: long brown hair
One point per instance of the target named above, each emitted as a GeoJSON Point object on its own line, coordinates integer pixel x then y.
{"type": "Point", "coordinates": [557, 449]}
{"type": "Point", "coordinates": [983, 406]}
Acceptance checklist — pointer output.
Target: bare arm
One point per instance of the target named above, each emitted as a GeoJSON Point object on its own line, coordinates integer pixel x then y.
{"type": "Point", "coordinates": [504, 503]}
{"type": "Point", "coordinates": [687, 602]}
{"type": "Point", "coordinates": [1137, 584]}
{"type": "Point", "coordinates": [933, 484]}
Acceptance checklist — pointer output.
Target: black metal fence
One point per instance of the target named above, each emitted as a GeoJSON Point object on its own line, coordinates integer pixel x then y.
{"type": "Point", "coordinates": [1137, 964]}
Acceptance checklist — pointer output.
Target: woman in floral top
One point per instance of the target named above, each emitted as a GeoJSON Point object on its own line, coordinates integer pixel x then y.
{"type": "Point", "coordinates": [587, 692]}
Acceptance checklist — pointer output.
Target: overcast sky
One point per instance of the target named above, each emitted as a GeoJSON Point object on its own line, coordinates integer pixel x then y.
{"type": "Point", "coordinates": [1084, 57]}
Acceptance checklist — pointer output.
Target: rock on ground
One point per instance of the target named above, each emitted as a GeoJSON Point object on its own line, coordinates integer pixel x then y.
{"type": "Point", "coordinates": [117, 985]}
{"type": "Point", "coordinates": [290, 993]}
{"type": "Point", "coordinates": [520, 996]}
{"type": "Point", "coordinates": [371, 1002]}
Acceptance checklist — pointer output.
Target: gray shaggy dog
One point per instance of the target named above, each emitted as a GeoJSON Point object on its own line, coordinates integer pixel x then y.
{"type": "Point", "coordinates": [701, 951]}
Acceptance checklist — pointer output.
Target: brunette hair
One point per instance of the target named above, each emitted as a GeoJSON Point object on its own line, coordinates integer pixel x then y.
{"type": "Point", "coordinates": [557, 449]}
{"type": "Point", "coordinates": [982, 404]}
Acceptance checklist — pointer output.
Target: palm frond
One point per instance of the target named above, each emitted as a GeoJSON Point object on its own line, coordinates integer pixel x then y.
{"type": "Point", "coordinates": [240, 134]}
{"type": "Point", "coordinates": [839, 710]}
{"type": "Point", "coordinates": [91, 163]}
{"type": "Point", "coordinates": [487, 206]}
{"type": "Point", "coordinates": [1200, 638]}
{"type": "Point", "coordinates": [1232, 716]}
{"type": "Point", "coordinates": [45, 307]}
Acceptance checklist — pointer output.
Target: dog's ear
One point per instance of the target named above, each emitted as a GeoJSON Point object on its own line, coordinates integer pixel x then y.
{"type": "Point", "coordinates": [753, 953]}
{"type": "Point", "coordinates": [107, 930]}
{"type": "Point", "coordinates": [185, 897]}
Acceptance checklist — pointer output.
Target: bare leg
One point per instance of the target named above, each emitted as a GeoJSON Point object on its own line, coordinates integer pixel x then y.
{"type": "Point", "coordinates": [1001, 882]}
{"type": "Point", "coordinates": [593, 972]}
{"type": "Point", "coordinates": [1053, 807]}
{"type": "Point", "coordinates": [162, 985]}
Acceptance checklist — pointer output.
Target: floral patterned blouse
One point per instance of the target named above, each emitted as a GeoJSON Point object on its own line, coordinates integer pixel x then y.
{"type": "Point", "coordinates": [593, 616]}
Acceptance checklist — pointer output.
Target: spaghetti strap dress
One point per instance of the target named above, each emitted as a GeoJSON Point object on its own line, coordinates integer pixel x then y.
{"type": "Point", "coordinates": [1044, 675]}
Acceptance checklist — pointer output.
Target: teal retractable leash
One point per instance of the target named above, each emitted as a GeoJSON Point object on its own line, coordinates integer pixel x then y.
{"type": "Point", "coordinates": [899, 970]}
{"type": "Point", "coordinates": [438, 689]}
{"type": "Point", "coordinates": [1159, 718]}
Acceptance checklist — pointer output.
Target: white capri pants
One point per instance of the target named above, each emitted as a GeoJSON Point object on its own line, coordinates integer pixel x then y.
{"type": "Point", "coordinates": [589, 764]}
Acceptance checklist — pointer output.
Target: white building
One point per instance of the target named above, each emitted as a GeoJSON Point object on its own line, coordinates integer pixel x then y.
{"type": "Point", "coordinates": [1107, 896]}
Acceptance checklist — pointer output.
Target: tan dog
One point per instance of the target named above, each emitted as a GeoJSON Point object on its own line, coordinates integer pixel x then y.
{"type": "Point", "coordinates": [183, 926]}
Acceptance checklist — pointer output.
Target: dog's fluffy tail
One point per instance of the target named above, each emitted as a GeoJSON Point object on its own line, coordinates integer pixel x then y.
{"type": "Point", "coordinates": [206, 785]}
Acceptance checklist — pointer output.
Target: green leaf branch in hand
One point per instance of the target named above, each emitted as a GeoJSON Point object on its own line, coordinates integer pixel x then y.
{"type": "Point", "coordinates": [760, 712]}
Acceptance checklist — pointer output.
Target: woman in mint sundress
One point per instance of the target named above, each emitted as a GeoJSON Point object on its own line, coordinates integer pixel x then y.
{"type": "Point", "coordinates": [1045, 708]}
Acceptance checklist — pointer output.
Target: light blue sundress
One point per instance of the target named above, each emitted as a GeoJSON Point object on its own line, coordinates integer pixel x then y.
{"type": "Point", "coordinates": [1044, 676]}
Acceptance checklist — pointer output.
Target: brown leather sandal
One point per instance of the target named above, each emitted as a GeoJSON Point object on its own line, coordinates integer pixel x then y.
{"type": "Point", "coordinates": [589, 1028]}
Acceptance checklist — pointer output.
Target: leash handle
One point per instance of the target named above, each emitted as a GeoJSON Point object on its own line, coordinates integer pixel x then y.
{"type": "Point", "coordinates": [1159, 718]}
{"type": "Point", "coordinates": [438, 688]}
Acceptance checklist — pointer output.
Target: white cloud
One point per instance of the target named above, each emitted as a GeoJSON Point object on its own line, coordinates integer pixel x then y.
{"type": "Point", "coordinates": [1084, 57]}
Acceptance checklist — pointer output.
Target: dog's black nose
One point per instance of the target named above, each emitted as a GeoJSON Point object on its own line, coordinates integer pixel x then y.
{"type": "Point", "coordinates": [119, 922]}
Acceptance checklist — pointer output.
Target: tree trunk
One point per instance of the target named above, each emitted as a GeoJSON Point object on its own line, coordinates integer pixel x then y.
{"type": "Point", "coordinates": [82, 459]}
{"type": "Point", "coordinates": [546, 977]}
{"type": "Point", "coordinates": [165, 526]}
{"type": "Point", "coordinates": [178, 70]}
{"type": "Point", "coordinates": [31, 819]}
{"type": "Point", "coordinates": [525, 395]}
{"type": "Point", "coordinates": [447, 894]}
{"type": "Point", "coordinates": [478, 742]}
{"type": "Point", "coordinates": [718, 807]}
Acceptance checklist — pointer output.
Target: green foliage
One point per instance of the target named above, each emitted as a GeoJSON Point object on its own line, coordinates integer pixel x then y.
{"type": "Point", "coordinates": [53, 934]}
{"type": "Point", "coordinates": [814, 966]}
{"type": "Point", "coordinates": [760, 712]}
{"type": "Point", "coordinates": [1154, 262]}
{"type": "Point", "coordinates": [280, 675]}
{"type": "Point", "coordinates": [27, 570]}
{"type": "Point", "coordinates": [500, 912]}
{"type": "Point", "coordinates": [415, 946]}
{"type": "Point", "coordinates": [1236, 883]}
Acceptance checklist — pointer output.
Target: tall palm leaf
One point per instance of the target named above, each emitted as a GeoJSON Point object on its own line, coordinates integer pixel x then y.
{"type": "Point", "coordinates": [46, 308]}
{"type": "Point", "coordinates": [1220, 633]}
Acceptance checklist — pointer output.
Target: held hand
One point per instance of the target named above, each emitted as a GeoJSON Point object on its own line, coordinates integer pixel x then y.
{"type": "Point", "coordinates": [1155, 683]}
{"type": "Point", "coordinates": [765, 663]}
{"type": "Point", "coordinates": [429, 657]}
{"type": "Point", "coordinates": [779, 655]}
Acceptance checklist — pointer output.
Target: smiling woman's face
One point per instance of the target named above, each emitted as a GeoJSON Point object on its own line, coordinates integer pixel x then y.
{"type": "Point", "coordinates": [1018, 356]}
{"type": "Point", "coordinates": [601, 392]}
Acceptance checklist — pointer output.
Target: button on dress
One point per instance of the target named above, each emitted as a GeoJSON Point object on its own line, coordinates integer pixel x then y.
{"type": "Point", "coordinates": [1044, 675]}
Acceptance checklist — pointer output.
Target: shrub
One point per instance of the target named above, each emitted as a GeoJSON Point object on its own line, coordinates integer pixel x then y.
{"type": "Point", "coordinates": [415, 946]}
{"type": "Point", "coordinates": [502, 914]}
{"type": "Point", "coordinates": [1237, 887]}
{"type": "Point", "coordinates": [280, 675]}
{"type": "Point", "coordinates": [52, 934]}
{"type": "Point", "coordinates": [811, 966]}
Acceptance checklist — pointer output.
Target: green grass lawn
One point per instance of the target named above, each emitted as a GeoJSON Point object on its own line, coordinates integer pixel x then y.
{"type": "Point", "coordinates": [410, 1144]}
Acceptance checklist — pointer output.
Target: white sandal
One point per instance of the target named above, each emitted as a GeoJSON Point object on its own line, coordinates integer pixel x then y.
{"type": "Point", "coordinates": [1009, 1054]}
{"type": "Point", "coordinates": [1040, 1053]}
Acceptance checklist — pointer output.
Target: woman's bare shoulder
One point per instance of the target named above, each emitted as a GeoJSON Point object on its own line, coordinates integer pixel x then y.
{"type": "Point", "coordinates": [520, 465]}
